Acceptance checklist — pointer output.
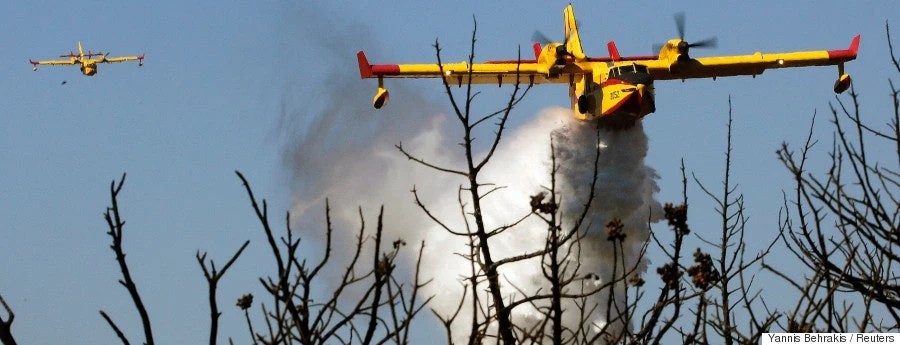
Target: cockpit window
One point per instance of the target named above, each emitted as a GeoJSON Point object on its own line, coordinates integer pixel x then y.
{"type": "Point", "coordinates": [633, 68]}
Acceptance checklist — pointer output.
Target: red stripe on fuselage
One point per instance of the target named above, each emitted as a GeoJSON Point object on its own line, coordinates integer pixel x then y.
{"type": "Point", "coordinates": [510, 61]}
{"type": "Point", "coordinates": [613, 82]}
{"type": "Point", "coordinates": [624, 58]}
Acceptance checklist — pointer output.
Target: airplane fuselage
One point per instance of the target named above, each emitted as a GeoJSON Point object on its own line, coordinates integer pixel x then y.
{"type": "Point", "coordinates": [617, 95]}
{"type": "Point", "coordinates": [88, 69]}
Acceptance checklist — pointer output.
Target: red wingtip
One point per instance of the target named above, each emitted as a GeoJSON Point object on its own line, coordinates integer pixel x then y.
{"type": "Point", "coordinates": [365, 69]}
{"type": "Point", "coordinates": [854, 45]}
{"type": "Point", "coordinates": [142, 56]}
{"type": "Point", "coordinates": [33, 62]}
{"type": "Point", "coordinates": [537, 51]}
{"type": "Point", "coordinates": [846, 54]}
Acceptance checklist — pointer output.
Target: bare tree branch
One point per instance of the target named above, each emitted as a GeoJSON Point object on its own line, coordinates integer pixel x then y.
{"type": "Point", "coordinates": [116, 225]}
{"type": "Point", "coordinates": [115, 328]}
{"type": "Point", "coordinates": [6, 336]}
{"type": "Point", "coordinates": [212, 280]}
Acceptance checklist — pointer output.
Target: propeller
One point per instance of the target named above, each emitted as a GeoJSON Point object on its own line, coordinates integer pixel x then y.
{"type": "Point", "coordinates": [543, 39]}
{"type": "Point", "coordinates": [539, 37]}
{"type": "Point", "coordinates": [684, 46]}
{"type": "Point", "coordinates": [561, 51]}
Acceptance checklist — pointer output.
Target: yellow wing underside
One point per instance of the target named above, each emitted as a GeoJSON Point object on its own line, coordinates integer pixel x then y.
{"type": "Point", "coordinates": [115, 59]}
{"type": "Point", "coordinates": [724, 66]}
{"type": "Point", "coordinates": [669, 65]}
{"type": "Point", "coordinates": [88, 61]}
{"type": "Point", "coordinates": [489, 73]}
{"type": "Point", "coordinates": [534, 73]}
{"type": "Point", "coordinates": [57, 62]}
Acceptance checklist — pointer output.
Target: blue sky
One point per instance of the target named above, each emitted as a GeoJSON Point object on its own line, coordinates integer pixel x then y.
{"type": "Point", "coordinates": [217, 90]}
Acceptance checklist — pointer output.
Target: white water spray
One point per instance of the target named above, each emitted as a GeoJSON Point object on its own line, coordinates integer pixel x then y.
{"type": "Point", "coordinates": [378, 174]}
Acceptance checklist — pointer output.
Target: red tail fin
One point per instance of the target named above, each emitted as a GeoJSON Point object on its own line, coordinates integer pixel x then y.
{"type": "Point", "coordinates": [613, 51]}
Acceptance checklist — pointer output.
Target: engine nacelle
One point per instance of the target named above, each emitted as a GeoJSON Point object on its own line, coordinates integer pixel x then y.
{"type": "Point", "coordinates": [842, 84]}
{"type": "Point", "coordinates": [381, 98]}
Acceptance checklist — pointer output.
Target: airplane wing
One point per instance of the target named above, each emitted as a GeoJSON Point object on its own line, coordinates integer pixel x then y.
{"type": "Point", "coordinates": [53, 62]}
{"type": "Point", "coordinates": [492, 72]}
{"type": "Point", "coordinates": [121, 59]}
{"type": "Point", "coordinates": [722, 66]}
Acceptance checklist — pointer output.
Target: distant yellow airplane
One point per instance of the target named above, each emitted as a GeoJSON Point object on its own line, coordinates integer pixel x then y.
{"type": "Point", "coordinates": [87, 61]}
{"type": "Point", "coordinates": [615, 90]}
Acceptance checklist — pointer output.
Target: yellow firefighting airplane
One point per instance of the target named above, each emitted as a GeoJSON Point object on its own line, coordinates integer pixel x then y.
{"type": "Point", "coordinates": [615, 90]}
{"type": "Point", "coordinates": [87, 61]}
